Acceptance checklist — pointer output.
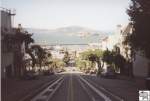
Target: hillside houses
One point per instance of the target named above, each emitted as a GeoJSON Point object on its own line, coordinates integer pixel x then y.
{"type": "Point", "coordinates": [140, 63]}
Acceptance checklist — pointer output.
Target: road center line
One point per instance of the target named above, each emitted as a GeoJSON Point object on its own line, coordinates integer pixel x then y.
{"type": "Point", "coordinates": [68, 95]}
{"type": "Point", "coordinates": [71, 88]}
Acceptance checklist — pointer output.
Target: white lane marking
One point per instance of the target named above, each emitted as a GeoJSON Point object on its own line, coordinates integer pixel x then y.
{"type": "Point", "coordinates": [95, 89]}
{"type": "Point", "coordinates": [40, 95]}
{"type": "Point", "coordinates": [89, 94]}
{"type": "Point", "coordinates": [116, 97]}
{"type": "Point", "coordinates": [57, 87]}
{"type": "Point", "coordinates": [37, 90]}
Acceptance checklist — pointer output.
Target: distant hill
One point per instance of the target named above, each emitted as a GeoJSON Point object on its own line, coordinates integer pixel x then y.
{"type": "Point", "coordinates": [71, 34]}
{"type": "Point", "coordinates": [66, 30]}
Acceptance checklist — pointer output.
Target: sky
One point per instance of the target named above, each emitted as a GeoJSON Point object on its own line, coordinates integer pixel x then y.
{"type": "Point", "coordinates": [52, 14]}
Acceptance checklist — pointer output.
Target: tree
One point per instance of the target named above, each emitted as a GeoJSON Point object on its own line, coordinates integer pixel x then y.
{"type": "Point", "coordinates": [66, 58]}
{"type": "Point", "coordinates": [58, 64]}
{"type": "Point", "coordinates": [89, 56]}
{"type": "Point", "coordinates": [119, 62]}
{"type": "Point", "coordinates": [40, 54]}
{"type": "Point", "coordinates": [81, 64]}
{"type": "Point", "coordinates": [108, 57]}
{"type": "Point", "coordinates": [139, 39]}
{"type": "Point", "coordinates": [47, 61]}
{"type": "Point", "coordinates": [28, 39]}
{"type": "Point", "coordinates": [93, 58]}
{"type": "Point", "coordinates": [99, 61]}
{"type": "Point", "coordinates": [115, 59]}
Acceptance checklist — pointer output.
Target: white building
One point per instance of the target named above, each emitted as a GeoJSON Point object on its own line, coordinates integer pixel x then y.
{"type": "Point", "coordinates": [12, 46]}
{"type": "Point", "coordinates": [7, 56]}
{"type": "Point", "coordinates": [140, 64]}
{"type": "Point", "coordinates": [112, 40]}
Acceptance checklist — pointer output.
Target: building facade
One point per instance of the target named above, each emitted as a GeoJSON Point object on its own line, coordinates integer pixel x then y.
{"type": "Point", "coordinates": [12, 47]}
{"type": "Point", "coordinates": [140, 64]}
{"type": "Point", "coordinates": [7, 63]}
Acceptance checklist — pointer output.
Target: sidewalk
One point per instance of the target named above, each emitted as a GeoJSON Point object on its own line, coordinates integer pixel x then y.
{"type": "Point", "coordinates": [15, 89]}
{"type": "Point", "coordinates": [123, 87]}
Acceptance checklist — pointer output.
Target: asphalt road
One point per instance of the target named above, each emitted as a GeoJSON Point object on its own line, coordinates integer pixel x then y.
{"type": "Point", "coordinates": [70, 90]}
{"type": "Point", "coordinates": [74, 87]}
